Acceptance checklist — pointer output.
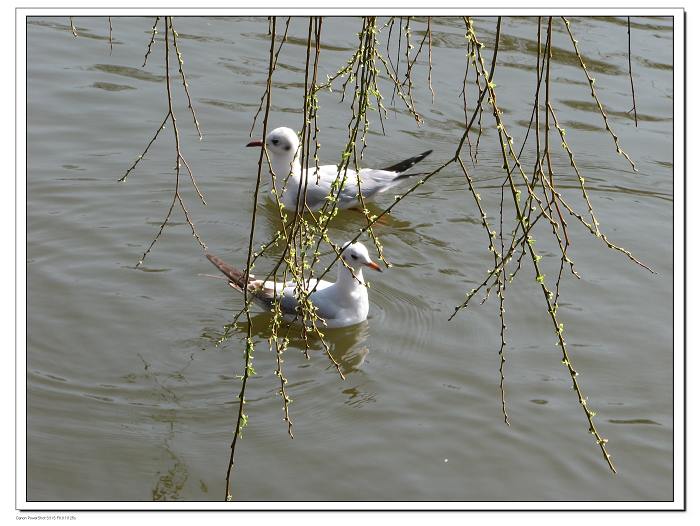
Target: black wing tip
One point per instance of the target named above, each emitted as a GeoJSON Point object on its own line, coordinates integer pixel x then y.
{"type": "Point", "coordinates": [418, 158]}
{"type": "Point", "coordinates": [407, 163]}
{"type": "Point", "coordinates": [423, 155]}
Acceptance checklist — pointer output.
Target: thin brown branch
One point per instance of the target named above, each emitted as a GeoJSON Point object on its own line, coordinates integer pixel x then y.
{"type": "Point", "coordinates": [591, 82]}
{"type": "Point", "coordinates": [185, 84]}
{"type": "Point", "coordinates": [177, 197]}
{"type": "Point", "coordinates": [249, 340]}
{"type": "Point", "coordinates": [109, 21]}
{"type": "Point", "coordinates": [154, 32]}
{"type": "Point", "coordinates": [629, 63]}
{"type": "Point", "coordinates": [143, 153]}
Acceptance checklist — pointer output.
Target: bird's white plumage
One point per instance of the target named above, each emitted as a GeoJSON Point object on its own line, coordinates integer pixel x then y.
{"type": "Point", "coordinates": [282, 145]}
{"type": "Point", "coordinates": [339, 304]}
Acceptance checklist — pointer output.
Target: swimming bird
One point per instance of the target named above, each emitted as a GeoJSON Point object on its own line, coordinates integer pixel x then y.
{"type": "Point", "coordinates": [339, 304]}
{"type": "Point", "coordinates": [282, 145]}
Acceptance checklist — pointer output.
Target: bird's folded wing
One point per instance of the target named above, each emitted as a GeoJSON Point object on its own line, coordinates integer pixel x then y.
{"type": "Point", "coordinates": [371, 181]}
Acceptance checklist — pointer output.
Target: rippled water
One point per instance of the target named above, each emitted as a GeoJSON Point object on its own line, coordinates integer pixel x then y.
{"type": "Point", "coordinates": [129, 398]}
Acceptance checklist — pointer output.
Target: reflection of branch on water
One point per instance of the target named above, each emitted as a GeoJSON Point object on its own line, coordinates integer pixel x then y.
{"type": "Point", "coordinates": [169, 485]}
{"type": "Point", "coordinates": [166, 392]}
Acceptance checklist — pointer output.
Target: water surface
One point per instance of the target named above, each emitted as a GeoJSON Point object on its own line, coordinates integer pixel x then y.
{"type": "Point", "coordinates": [129, 397]}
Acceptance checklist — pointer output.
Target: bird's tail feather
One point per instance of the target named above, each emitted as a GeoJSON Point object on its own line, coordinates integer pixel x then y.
{"type": "Point", "coordinates": [235, 276]}
{"type": "Point", "coordinates": [407, 163]}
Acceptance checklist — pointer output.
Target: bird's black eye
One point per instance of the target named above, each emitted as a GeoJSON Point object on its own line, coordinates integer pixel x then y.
{"type": "Point", "coordinates": [275, 141]}
{"type": "Point", "coordinates": [288, 148]}
{"type": "Point", "coordinates": [353, 256]}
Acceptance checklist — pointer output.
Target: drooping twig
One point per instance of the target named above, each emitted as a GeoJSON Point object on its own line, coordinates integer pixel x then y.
{"type": "Point", "coordinates": [430, 61]}
{"type": "Point", "coordinates": [591, 82]}
{"type": "Point", "coordinates": [179, 158]}
{"type": "Point", "coordinates": [154, 32]}
{"type": "Point", "coordinates": [505, 141]}
{"type": "Point", "coordinates": [109, 20]}
{"type": "Point", "coordinates": [145, 151]}
{"type": "Point", "coordinates": [185, 85]}
{"type": "Point", "coordinates": [629, 63]}
{"type": "Point", "coordinates": [177, 197]}
{"type": "Point", "coordinates": [248, 370]}
{"type": "Point", "coordinates": [264, 95]}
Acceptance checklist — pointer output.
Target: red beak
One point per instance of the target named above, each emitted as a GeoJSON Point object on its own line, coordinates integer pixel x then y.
{"type": "Point", "coordinates": [257, 142]}
{"type": "Point", "coordinates": [373, 266]}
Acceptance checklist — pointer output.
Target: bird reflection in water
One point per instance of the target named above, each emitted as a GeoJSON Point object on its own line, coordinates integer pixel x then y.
{"type": "Point", "coordinates": [343, 224]}
{"type": "Point", "coordinates": [347, 345]}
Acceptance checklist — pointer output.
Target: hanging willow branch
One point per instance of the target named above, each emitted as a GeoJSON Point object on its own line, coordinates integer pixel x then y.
{"type": "Point", "coordinates": [72, 28]}
{"type": "Point", "coordinates": [530, 201]}
{"type": "Point", "coordinates": [248, 370]}
{"type": "Point", "coordinates": [544, 200]}
{"type": "Point", "coordinates": [169, 32]}
{"type": "Point", "coordinates": [629, 64]}
{"type": "Point", "coordinates": [591, 82]}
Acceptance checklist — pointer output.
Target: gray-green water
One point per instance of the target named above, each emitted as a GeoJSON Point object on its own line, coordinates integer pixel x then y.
{"type": "Point", "coordinates": [129, 398]}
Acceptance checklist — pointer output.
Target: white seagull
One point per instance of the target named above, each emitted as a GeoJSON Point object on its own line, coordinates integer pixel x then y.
{"type": "Point", "coordinates": [282, 145]}
{"type": "Point", "coordinates": [338, 304]}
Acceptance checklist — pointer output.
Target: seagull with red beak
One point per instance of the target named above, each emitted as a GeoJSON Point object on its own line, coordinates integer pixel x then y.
{"type": "Point", "coordinates": [339, 304]}
{"type": "Point", "coordinates": [282, 146]}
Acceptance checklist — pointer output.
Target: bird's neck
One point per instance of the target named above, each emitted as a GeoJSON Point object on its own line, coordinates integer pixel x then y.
{"type": "Point", "coordinates": [282, 167]}
{"type": "Point", "coordinates": [346, 280]}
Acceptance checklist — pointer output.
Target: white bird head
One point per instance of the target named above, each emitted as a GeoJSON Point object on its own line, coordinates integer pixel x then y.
{"type": "Point", "coordinates": [282, 145]}
{"type": "Point", "coordinates": [356, 256]}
